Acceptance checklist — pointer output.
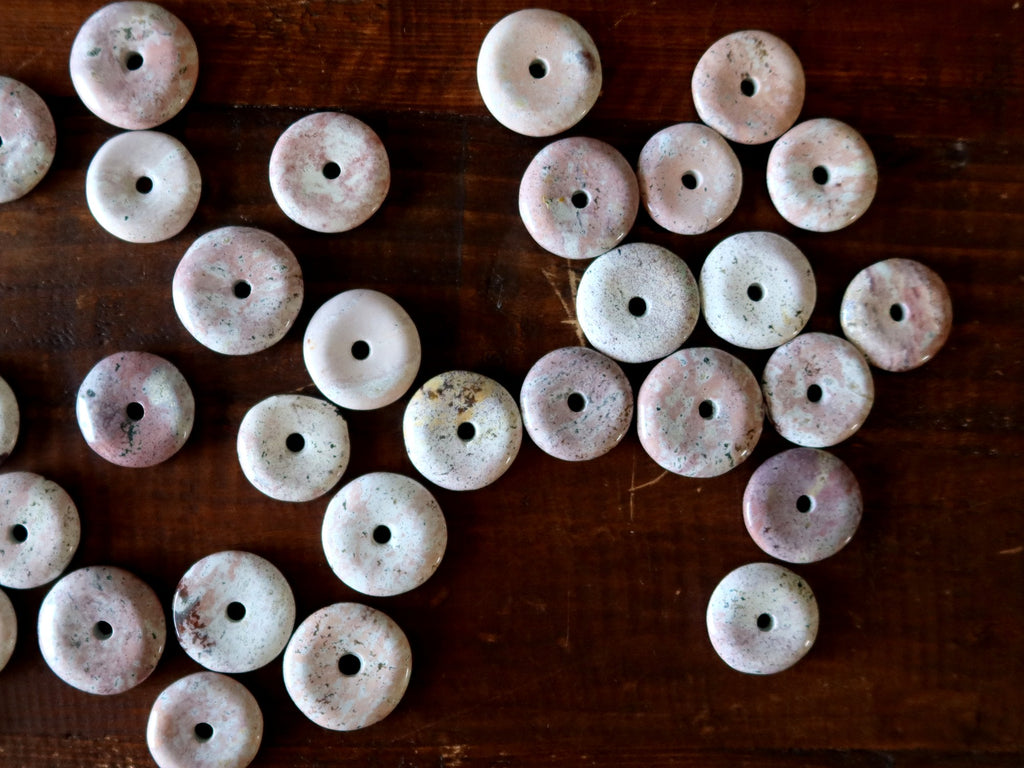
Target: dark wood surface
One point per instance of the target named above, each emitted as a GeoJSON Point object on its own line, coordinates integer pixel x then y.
{"type": "Point", "coordinates": [565, 625]}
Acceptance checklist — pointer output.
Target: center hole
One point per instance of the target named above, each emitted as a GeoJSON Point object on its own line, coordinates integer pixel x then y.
{"type": "Point", "coordinates": [360, 350]}
{"type": "Point", "coordinates": [101, 630]}
{"type": "Point", "coordinates": [19, 533]}
{"type": "Point", "coordinates": [538, 68]}
{"type": "Point", "coordinates": [382, 534]}
{"type": "Point", "coordinates": [765, 622]}
{"type": "Point", "coordinates": [820, 174]}
{"type": "Point", "coordinates": [144, 185]}
{"type": "Point", "coordinates": [804, 503]}
{"type": "Point", "coordinates": [134, 411]}
{"type": "Point", "coordinates": [133, 61]}
{"type": "Point", "coordinates": [466, 431]}
{"type": "Point", "coordinates": [637, 307]}
{"type": "Point", "coordinates": [576, 402]}
{"type": "Point", "coordinates": [690, 180]}
{"type": "Point", "coordinates": [580, 199]}
{"type": "Point", "coordinates": [748, 87]}
{"type": "Point", "coordinates": [332, 170]}
{"type": "Point", "coordinates": [349, 665]}
{"type": "Point", "coordinates": [295, 442]}
{"type": "Point", "coordinates": [896, 312]}
{"type": "Point", "coordinates": [755, 292]}
{"type": "Point", "coordinates": [235, 611]}
{"type": "Point", "coordinates": [1, 141]}
{"type": "Point", "coordinates": [203, 731]}
{"type": "Point", "coordinates": [814, 393]}
{"type": "Point", "coordinates": [706, 409]}
{"type": "Point", "coordinates": [242, 289]}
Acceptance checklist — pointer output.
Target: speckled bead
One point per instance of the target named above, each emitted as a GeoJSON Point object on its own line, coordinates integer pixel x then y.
{"type": "Point", "coordinates": [757, 290]}
{"type": "Point", "coordinates": [134, 64]}
{"type": "Point", "coordinates": [135, 409]}
{"type": "Point", "coordinates": [538, 72]}
{"type": "Point", "coordinates": [233, 612]}
{"type": "Point", "coordinates": [237, 290]}
{"type": "Point", "coordinates": [578, 198]}
{"type": "Point", "coordinates": [362, 350]}
{"type": "Point", "coordinates": [822, 175]}
{"type": "Point", "coordinates": [28, 139]}
{"type": "Point", "coordinates": [39, 530]}
{"type": "Point", "coordinates": [384, 534]}
{"type": "Point", "coordinates": [204, 720]}
{"type": "Point", "coordinates": [802, 505]}
{"type": "Point", "coordinates": [143, 186]}
{"type": "Point", "coordinates": [762, 618]}
{"type": "Point", "coordinates": [637, 303]}
{"type": "Point", "coordinates": [329, 172]}
{"type": "Point", "coordinates": [699, 412]}
{"type": "Point", "coordinates": [293, 447]}
{"type": "Point", "coordinates": [347, 666]}
{"type": "Point", "coordinates": [8, 629]}
{"type": "Point", "coordinates": [749, 86]}
{"type": "Point", "coordinates": [576, 403]}
{"type": "Point", "coordinates": [690, 179]}
{"type": "Point", "coordinates": [818, 389]}
{"type": "Point", "coordinates": [10, 420]}
{"type": "Point", "coordinates": [462, 430]}
{"type": "Point", "coordinates": [898, 313]}
{"type": "Point", "coordinates": [101, 630]}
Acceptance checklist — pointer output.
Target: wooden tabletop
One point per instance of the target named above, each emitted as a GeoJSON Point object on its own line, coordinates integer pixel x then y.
{"type": "Point", "coordinates": [566, 623]}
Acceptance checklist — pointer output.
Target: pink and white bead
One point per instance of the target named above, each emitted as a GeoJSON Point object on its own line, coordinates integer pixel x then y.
{"type": "Point", "coordinates": [28, 139]}
{"type": "Point", "coordinates": [39, 530]}
{"type": "Point", "coordinates": [8, 629]}
{"type": "Point", "coordinates": [10, 420]}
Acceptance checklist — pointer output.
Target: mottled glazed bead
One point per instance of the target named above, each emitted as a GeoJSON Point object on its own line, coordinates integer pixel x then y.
{"type": "Point", "coordinates": [637, 303]}
{"type": "Point", "coordinates": [143, 186]}
{"type": "Point", "coordinates": [347, 666]}
{"type": "Point", "coordinates": [238, 290]}
{"type": "Point", "coordinates": [749, 86]}
{"type": "Point", "coordinates": [538, 72]}
{"type": "Point", "coordinates": [10, 420]}
{"type": "Point", "coordinates": [757, 290]}
{"type": "Point", "coordinates": [329, 172]}
{"type": "Point", "coordinates": [818, 389]}
{"type": "Point", "coordinates": [293, 447]}
{"type": "Point", "coordinates": [462, 430]}
{"type": "Point", "coordinates": [8, 629]}
{"type": "Point", "coordinates": [28, 139]}
{"type": "Point", "coordinates": [134, 64]}
{"type": "Point", "coordinates": [762, 618]}
{"type": "Point", "coordinates": [233, 612]}
{"type": "Point", "coordinates": [577, 404]}
{"type": "Point", "coordinates": [578, 198]}
{"type": "Point", "coordinates": [39, 530]}
{"type": "Point", "coordinates": [690, 179]}
{"type": "Point", "coordinates": [135, 409]}
{"type": "Point", "coordinates": [802, 505]}
{"type": "Point", "coordinates": [204, 720]}
{"type": "Point", "coordinates": [699, 412]}
{"type": "Point", "coordinates": [384, 534]}
{"type": "Point", "coordinates": [898, 313]}
{"type": "Point", "coordinates": [362, 350]}
{"type": "Point", "coordinates": [822, 175]}
{"type": "Point", "coordinates": [101, 630]}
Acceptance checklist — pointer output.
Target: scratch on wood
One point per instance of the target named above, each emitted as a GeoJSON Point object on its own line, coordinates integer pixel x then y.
{"type": "Point", "coordinates": [567, 307]}
{"type": "Point", "coordinates": [633, 487]}
{"type": "Point", "coordinates": [1012, 551]}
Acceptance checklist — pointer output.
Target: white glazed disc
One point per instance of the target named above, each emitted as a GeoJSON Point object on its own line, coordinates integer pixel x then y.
{"type": "Point", "coordinates": [39, 530]}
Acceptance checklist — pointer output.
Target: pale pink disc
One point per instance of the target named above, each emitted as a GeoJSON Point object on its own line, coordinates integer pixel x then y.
{"type": "Point", "coordinates": [28, 139]}
{"type": "Point", "coordinates": [8, 629]}
{"type": "Point", "coordinates": [39, 530]}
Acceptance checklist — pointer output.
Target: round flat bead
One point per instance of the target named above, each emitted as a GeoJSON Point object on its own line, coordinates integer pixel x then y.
{"type": "Point", "coordinates": [10, 420]}
{"type": "Point", "coordinates": [233, 612]}
{"type": "Point", "coordinates": [462, 430]}
{"type": "Point", "coordinates": [8, 629]}
{"type": "Point", "coordinates": [577, 404]}
{"type": "Point", "coordinates": [802, 505]}
{"type": "Point", "coordinates": [578, 198]}
{"type": "Point", "coordinates": [101, 630]}
{"type": "Point", "coordinates": [690, 179]}
{"type": "Point", "coordinates": [898, 313]}
{"type": "Point", "coordinates": [762, 618]}
{"type": "Point", "coordinates": [329, 172]}
{"type": "Point", "coordinates": [637, 303]}
{"type": "Point", "coordinates": [822, 175]}
{"type": "Point", "coordinates": [28, 139]}
{"type": "Point", "coordinates": [347, 666]}
{"type": "Point", "coordinates": [143, 186]}
{"type": "Point", "coordinates": [204, 720]}
{"type": "Point", "coordinates": [818, 389]}
{"type": "Point", "coordinates": [749, 86]}
{"type": "Point", "coordinates": [757, 290]}
{"type": "Point", "coordinates": [238, 290]}
{"type": "Point", "coordinates": [39, 530]}
{"type": "Point", "coordinates": [384, 534]}
{"type": "Point", "coordinates": [134, 64]}
{"type": "Point", "coordinates": [699, 412]}
{"type": "Point", "coordinates": [135, 409]}
{"type": "Point", "coordinates": [293, 447]}
{"type": "Point", "coordinates": [362, 350]}
{"type": "Point", "coordinates": [539, 72]}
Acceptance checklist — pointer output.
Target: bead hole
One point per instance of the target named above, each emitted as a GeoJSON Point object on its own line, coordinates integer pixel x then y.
{"type": "Point", "coordinates": [203, 732]}
{"type": "Point", "coordinates": [765, 622]}
{"type": "Point", "coordinates": [382, 534]}
{"type": "Point", "coordinates": [897, 313]}
{"type": "Point", "coordinates": [637, 307]}
{"type": "Point", "coordinates": [576, 402]}
{"type": "Point", "coordinates": [706, 409]}
{"type": "Point", "coordinates": [820, 175]}
{"type": "Point", "coordinates": [748, 86]}
{"type": "Point", "coordinates": [690, 180]}
{"type": "Point", "coordinates": [134, 411]}
{"type": "Point", "coordinates": [19, 533]}
{"type": "Point", "coordinates": [755, 292]}
{"type": "Point", "coordinates": [102, 630]}
{"type": "Point", "coordinates": [235, 611]}
{"type": "Point", "coordinates": [804, 504]}
{"type": "Point", "coordinates": [360, 350]}
{"type": "Point", "coordinates": [580, 199]}
{"type": "Point", "coordinates": [332, 170]}
{"type": "Point", "coordinates": [349, 665]}
{"type": "Point", "coordinates": [295, 442]}
{"type": "Point", "coordinates": [133, 61]}
{"type": "Point", "coordinates": [466, 431]}
{"type": "Point", "coordinates": [814, 393]}
{"type": "Point", "coordinates": [242, 289]}
{"type": "Point", "coordinates": [144, 185]}
{"type": "Point", "coordinates": [538, 69]}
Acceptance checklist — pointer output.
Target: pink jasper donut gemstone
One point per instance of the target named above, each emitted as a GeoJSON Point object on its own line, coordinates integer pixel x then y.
{"type": "Point", "coordinates": [39, 530]}
{"type": "Point", "coordinates": [134, 64]}
{"type": "Point", "coordinates": [10, 420]}
{"type": "Point", "coordinates": [8, 629]}
{"type": "Point", "coordinates": [28, 139]}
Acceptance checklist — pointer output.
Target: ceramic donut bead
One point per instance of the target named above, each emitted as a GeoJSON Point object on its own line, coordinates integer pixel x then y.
{"type": "Point", "coordinates": [204, 720]}
{"type": "Point", "coordinates": [538, 72]}
{"type": "Point", "coordinates": [143, 186]}
{"type": "Point", "coordinates": [238, 290]}
{"type": "Point", "coordinates": [28, 139]}
{"type": "Point", "coordinates": [101, 630]}
{"type": "Point", "coordinates": [39, 530]}
{"type": "Point", "coordinates": [135, 409]}
{"type": "Point", "coordinates": [8, 629]}
{"type": "Point", "coordinates": [10, 420]}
